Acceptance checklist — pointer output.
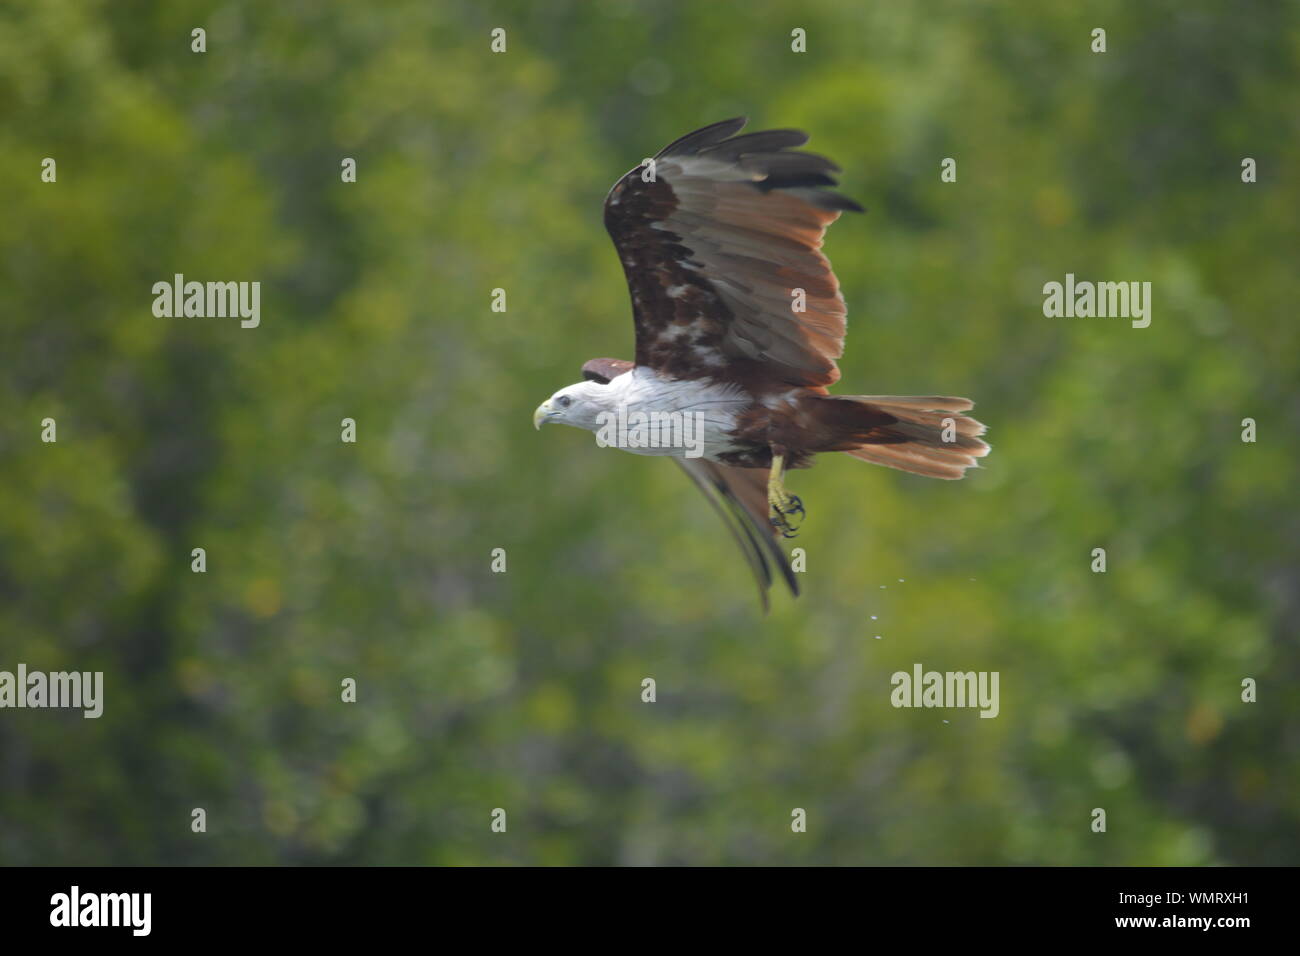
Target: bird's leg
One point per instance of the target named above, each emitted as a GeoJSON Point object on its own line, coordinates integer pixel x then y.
{"type": "Point", "coordinates": [781, 503]}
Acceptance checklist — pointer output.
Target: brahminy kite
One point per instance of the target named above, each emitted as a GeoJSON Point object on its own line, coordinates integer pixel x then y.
{"type": "Point", "coordinates": [739, 321]}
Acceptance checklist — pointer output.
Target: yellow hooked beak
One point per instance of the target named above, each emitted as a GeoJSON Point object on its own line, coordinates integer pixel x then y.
{"type": "Point", "coordinates": [542, 414]}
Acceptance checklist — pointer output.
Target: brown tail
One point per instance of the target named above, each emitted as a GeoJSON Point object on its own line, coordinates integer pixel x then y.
{"type": "Point", "coordinates": [923, 435]}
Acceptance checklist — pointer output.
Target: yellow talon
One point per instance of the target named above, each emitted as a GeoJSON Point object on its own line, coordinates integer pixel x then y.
{"type": "Point", "coordinates": [781, 503]}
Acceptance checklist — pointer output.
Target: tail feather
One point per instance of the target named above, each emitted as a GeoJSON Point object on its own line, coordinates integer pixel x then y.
{"type": "Point", "coordinates": [945, 402]}
{"type": "Point", "coordinates": [928, 435]}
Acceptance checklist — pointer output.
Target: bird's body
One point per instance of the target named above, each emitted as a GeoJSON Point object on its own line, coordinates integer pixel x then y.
{"type": "Point", "coordinates": [739, 321]}
{"type": "Point", "coordinates": [709, 409]}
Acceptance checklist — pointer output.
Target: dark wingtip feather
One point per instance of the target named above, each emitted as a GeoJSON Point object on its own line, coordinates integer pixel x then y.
{"type": "Point", "coordinates": [704, 137]}
{"type": "Point", "coordinates": [842, 202]}
{"type": "Point", "coordinates": [767, 141]}
{"type": "Point", "coordinates": [768, 155]}
{"type": "Point", "coordinates": [793, 181]}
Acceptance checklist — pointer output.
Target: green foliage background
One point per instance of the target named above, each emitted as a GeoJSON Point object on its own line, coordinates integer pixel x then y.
{"type": "Point", "coordinates": [522, 690]}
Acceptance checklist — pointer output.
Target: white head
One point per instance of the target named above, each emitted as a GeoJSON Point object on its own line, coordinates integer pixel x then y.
{"type": "Point", "coordinates": [579, 405]}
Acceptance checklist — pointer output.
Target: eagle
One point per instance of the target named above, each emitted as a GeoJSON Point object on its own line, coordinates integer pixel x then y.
{"type": "Point", "coordinates": [739, 320]}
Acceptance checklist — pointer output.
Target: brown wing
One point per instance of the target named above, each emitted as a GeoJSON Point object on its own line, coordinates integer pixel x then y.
{"type": "Point", "coordinates": [604, 369]}
{"type": "Point", "coordinates": [713, 249]}
{"type": "Point", "coordinates": [739, 496]}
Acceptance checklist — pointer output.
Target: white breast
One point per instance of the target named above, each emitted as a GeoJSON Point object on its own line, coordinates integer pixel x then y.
{"type": "Point", "coordinates": [663, 416]}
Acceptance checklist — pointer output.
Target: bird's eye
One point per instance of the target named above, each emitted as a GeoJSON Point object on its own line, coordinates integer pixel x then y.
{"type": "Point", "coordinates": [564, 401]}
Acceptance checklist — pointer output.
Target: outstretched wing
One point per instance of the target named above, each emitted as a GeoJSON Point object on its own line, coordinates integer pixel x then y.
{"type": "Point", "coordinates": [738, 495]}
{"type": "Point", "coordinates": [715, 238]}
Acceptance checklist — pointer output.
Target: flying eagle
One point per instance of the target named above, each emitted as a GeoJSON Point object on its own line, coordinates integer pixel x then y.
{"type": "Point", "coordinates": [739, 321]}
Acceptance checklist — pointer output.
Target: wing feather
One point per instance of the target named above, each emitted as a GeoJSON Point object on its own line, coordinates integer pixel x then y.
{"type": "Point", "coordinates": [713, 247]}
{"type": "Point", "coordinates": [739, 497]}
